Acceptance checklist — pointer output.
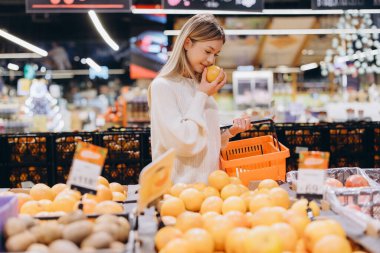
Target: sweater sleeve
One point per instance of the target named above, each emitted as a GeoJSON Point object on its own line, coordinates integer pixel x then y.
{"type": "Point", "coordinates": [226, 135]}
{"type": "Point", "coordinates": [187, 133]}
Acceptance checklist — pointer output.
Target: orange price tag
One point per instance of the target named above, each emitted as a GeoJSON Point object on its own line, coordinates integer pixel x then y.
{"type": "Point", "coordinates": [155, 179]}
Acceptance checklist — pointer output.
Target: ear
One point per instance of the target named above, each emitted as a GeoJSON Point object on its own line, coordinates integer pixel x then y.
{"type": "Point", "coordinates": [188, 44]}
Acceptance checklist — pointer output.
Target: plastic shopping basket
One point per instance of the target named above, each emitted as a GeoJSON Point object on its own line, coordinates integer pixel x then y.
{"type": "Point", "coordinates": [255, 158]}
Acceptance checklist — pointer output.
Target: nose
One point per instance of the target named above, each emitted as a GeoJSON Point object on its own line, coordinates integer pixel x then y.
{"type": "Point", "coordinates": [211, 59]}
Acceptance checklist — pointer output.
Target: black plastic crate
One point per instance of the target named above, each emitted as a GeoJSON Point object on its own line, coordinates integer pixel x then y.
{"type": "Point", "coordinates": [122, 172]}
{"type": "Point", "coordinates": [257, 130]}
{"type": "Point", "coordinates": [36, 174]}
{"type": "Point", "coordinates": [66, 143]}
{"type": "Point", "coordinates": [376, 146]}
{"type": "Point", "coordinates": [122, 146]}
{"type": "Point", "coordinates": [26, 148]}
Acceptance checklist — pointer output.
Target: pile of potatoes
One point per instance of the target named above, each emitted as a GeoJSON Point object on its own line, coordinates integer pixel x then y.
{"type": "Point", "coordinates": [70, 233]}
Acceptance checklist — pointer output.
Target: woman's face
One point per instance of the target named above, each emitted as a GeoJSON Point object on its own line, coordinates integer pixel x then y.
{"type": "Point", "coordinates": [202, 54]}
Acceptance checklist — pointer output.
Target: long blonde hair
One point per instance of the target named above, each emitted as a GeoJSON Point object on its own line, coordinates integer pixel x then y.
{"type": "Point", "coordinates": [201, 27]}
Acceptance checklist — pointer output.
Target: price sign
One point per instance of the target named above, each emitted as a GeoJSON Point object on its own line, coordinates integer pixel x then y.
{"type": "Point", "coordinates": [312, 174]}
{"type": "Point", "coordinates": [155, 179]}
{"type": "Point", "coordinates": [222, 5]}
{"type": "Point", "coordinates": [87, 167]}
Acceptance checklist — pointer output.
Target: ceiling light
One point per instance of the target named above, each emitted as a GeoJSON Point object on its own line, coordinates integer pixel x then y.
{"type": "Point", "coordinates": [12, 66]}
{"type": "Point", "coordinates": [93, 65]}
{"type": "Point", "coordinates": [102, 31]}
{"type": "Point", "coordinates": [20, 56]}
{"type": "Point", "coordinates": [23, 43]}
{"type": "Point", "coordinates": [309, 66]}
{"type": "Point", "coordinates": [285, 31]}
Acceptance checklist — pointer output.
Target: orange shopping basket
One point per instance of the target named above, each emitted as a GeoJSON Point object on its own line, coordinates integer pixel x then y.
{"type": "Point", "coordinates": [255, 158]}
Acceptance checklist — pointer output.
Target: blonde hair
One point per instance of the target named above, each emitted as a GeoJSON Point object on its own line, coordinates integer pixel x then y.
{"type": "Point", "coordinates": [199, 28]}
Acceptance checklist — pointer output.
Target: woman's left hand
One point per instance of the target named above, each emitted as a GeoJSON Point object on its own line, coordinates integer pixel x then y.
{"type": "Point", "coordinates": [240, 125]}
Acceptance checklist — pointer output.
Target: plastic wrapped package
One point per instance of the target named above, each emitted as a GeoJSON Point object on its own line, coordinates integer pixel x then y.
{"type": "Point", "coordinates": [360, 205]}
{"type": "Point", "coordinates": [341, 174]}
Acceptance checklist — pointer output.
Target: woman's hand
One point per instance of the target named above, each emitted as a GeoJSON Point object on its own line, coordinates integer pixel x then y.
{"type": "Point", "coordinates": [240, 125]}
{"type": "Point", "coordinates": [213, 87]}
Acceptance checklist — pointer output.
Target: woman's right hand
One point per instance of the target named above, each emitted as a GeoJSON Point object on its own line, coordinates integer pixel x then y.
{"type": "Point", "coordinates": [213, 87]}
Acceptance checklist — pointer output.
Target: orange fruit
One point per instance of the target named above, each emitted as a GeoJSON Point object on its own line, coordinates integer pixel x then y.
{"type": "Point", "coordinates": [266, 216]}
{"type": "Point", "coordinates": [103, 193]}
{"type": "Point", "coordinates": [300, 206]}
{"type": "Point", "coordinates": [31, 207]}
{"type": "Point", "coordinates": [280, 197]}
{"type": "Point", "coordinates": [210, 191]}
{"type": "Point", "coordinates": [178, 245]}
{"type": "Point", "coordinates": [64, 203]}
{"type": "Point", "coordinates": [235, 240]}
{"type": "Point", "coordinates": [300, 247]}
{"type": "Point", "coordinates": [259, 201]}
{"type": "Point", "coordinates": [46, 205]}
{"type": "Point", "coordinates": [234, 203]}
{"type": "Point", "coordinates": [230, 190]}
{"type": "Point", "coordinates": [332, 244]}
{"type": "Point", "coordinates": [243, 188]}
{"type": "Point", "coordinates": [267, 184]}
{"type": "Point", "coordinates": [316, 230]}
{"type": "Point", "coordinates": [199, 186]}
{"type": "Point", "coordinates": [103, 181]}
{"type": "Point", "coordinates": [235, 180]}
{"type": "Point", "coordinates": [333, 182]}
{"type": "Point", "coordinates": [176, 189]}
{"type": "Point", "coordinates": [247, 196]}
{"type": "Point", "coordinates": [209, 215]}
{"type": "Point", "coordinates": [88, 206]}
{"type": "Point", "coordinates": [116, 187]}
{"type": "Point", "coordinates": [219, 226]}
{"type": "Point", "coordinates": [22, 198]}
{"type": "Point", "coordinates": [239, 219]}
{"type": "Point", "coordinates": [108, 207]}
{"type": "Point", "coordinates": [297, 221]}
{"type": "Point", "coordinates": [287, 234]}
{"type": "Point", "coordinates": [218, 179]}
{"type": "Point", "coordinates": [172, 207]}
{"type": "Point", "coordinates": [192, 199]}
{"type": "Point", "coordinates": [117, 196]}
{"type": "Point", "coordinates": [201, 240]}
{"type": "Point", "coordinates": [262, 239]}
{"type": "Point", "coordinates": [188, 220]}
{"type": "Point", "coordinates": [212, 73]}
{"type": "Point", "coordinates": [165, 235]}
{"type": "Point", "coordinates": [57, 188]}
{"type": "Point", "coordinates": [89, 196]}
{"type": "Point", "coordinates": [41, 191]}
{"type": "Point", "coordinates": [212, 204]}
{"type": "Point", "coordinates": [69, 192]}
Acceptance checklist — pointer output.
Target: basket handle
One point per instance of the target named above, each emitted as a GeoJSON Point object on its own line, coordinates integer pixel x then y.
{"type": "Point", "coordinates": [272, 126]}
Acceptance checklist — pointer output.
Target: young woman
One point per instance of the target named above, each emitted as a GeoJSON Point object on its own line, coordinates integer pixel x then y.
{"type": "Point", "coordinates": [184, 115]}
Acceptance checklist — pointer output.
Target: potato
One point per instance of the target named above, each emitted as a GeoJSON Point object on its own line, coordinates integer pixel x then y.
{"type": "Point", "coordinates": [20, 242]}
{"type": "Point", "coordinates": [110, 228]}
{"type": "Point", "coordinates": [117, 247]}
{"type": "Point", "coordinates": [123, 230]}
{"type": "Point", "coordinates": [72, 217]}
{"type": "Point", "coordinates": [38, 248]}
{"type": "Point", "coordinates": [77, 231]}
{"type": "Point", "coordinates": [107, 218]}
{"type": "Point", "coordinates": [98, 240]}
{"type": "Point", "coordinates": [63, 246]}
{"type": "Point", "coordinates": [47, 232]}
{"type": "Point", "coordinates": [14, 226]}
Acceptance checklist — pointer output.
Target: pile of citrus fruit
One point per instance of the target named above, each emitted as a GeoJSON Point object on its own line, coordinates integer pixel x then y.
{"type": "Point", "coordinates": [60, 199]}
{"type": "Point", "coordinates": [226, 216]}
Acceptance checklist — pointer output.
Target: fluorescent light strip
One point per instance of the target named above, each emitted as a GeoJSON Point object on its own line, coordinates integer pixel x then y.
{"type": "Point", "coordinates": [23, 43]}
{"type": "Point", "coordinates": [93, 65]}
{"type": "Point", "coordinates": [267, 12]}
{"type": "Point", "coordinates": [309, 66]}
{"type": "Point", "coordinates": [20, 56]}
{"type": "Point", "coordinates": [12, 66]}
{"type": "Point", "coordinates": [285, 31]}
{"type": "Point", "coordinates": [102, 31]}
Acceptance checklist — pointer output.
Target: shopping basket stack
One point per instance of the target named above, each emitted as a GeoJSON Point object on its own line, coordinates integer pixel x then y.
{"type": "Point", "coordinates": [256, 158]}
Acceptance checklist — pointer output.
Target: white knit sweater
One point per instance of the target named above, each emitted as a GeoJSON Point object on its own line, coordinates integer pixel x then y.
{"type": "Point", "coordinates": [187, 120]}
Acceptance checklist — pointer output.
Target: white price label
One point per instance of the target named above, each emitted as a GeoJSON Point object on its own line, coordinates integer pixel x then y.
{"type": "Point", "coordinates": [84, 174]}
{"type": "Point", "coordinates": [311, 181]}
